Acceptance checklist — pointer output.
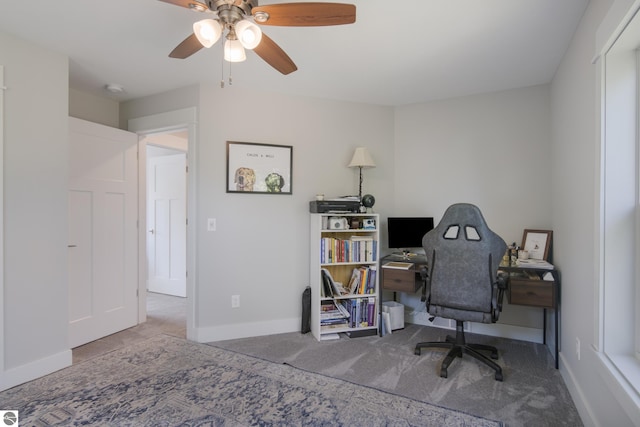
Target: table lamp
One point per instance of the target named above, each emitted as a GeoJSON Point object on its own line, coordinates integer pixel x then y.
{"type": "Point", "coordinates": [361, 159]}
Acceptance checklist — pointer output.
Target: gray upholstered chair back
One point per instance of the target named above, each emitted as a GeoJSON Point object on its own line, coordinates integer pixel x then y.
{"type": "Point", "coordinates": [463, 256]}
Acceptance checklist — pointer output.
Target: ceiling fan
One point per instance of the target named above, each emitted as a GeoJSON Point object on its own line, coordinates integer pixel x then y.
{"type": "Point", "coordinates": [239, 17]}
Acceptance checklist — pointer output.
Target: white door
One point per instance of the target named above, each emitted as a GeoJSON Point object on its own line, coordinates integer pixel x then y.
{"type": "Point", "coordinates": [166, 224]}
{"type": "Point", "coordinates": [103, 239]}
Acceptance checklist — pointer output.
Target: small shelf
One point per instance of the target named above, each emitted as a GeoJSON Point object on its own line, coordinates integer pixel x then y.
{"type": "Point", "coordinates": [343, 254]}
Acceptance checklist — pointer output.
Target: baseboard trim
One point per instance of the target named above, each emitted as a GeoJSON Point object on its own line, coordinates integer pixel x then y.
{"type": "Point", "coordinates": [492, 329]}
{"type": "Point", "coordinates": [579, 399]}
{"type": "Point", "coordinates": [246, 330]}
{"type": "Point", "coordinates": [36, 369]}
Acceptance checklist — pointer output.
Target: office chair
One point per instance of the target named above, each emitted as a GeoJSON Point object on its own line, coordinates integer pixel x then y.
{"type": "Point", "coordinates": [461, 281]}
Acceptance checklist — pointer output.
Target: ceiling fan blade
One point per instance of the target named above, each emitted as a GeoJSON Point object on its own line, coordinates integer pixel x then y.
{"type": "Point", "coordinates": [188, 47]}
{"type": "Point", "coordinates": [189, 4]}
{"type": "Point", "coordinates": [273, 55]}
{"type": "Point", "coordinates": [306, 14]}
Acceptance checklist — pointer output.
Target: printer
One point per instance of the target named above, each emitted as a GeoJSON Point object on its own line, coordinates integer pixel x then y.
{"type": "Point", "coordinates": [341, 205]}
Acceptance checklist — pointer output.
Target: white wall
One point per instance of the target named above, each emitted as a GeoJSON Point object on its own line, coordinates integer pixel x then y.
{"type": "Point", "coordinates": [94, 108]}
{"type": "Point", "coordinates": [35, 217]}
{"type": "Point", "coordinates": [260, 248]}
{"type": "Point", "coordinates": [492, 150]}
{"type": "Point", "coordinates": [575, 152]}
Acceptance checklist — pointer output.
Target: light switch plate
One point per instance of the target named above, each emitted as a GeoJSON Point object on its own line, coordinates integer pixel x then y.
{"type": "Point", "coordinates": [211, 224]}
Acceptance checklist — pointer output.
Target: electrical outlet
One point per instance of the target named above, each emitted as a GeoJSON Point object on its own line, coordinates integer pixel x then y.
{"type": "Point", "coordinates": [211, 224]}
{"type": "Point", "coordinates": [235, 301]}
{"type": "Point", "coordinates": [578, 347]}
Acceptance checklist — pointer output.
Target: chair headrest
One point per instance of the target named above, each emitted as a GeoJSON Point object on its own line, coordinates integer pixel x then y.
{"type": "Point", "coordinates": [463, 228]}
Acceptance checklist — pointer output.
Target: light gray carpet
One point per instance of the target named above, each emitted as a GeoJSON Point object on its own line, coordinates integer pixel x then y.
{"type": "Point", "coordinates": [532, 394]}
{"type": "Point", "coordinates": [167, 381]}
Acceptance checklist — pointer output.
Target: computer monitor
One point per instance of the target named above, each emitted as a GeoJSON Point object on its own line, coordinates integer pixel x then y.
{"type": "Point", "coordinates": [406, 233]}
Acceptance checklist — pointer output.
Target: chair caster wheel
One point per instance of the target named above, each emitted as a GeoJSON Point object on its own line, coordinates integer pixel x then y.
{"type": "Point", "coordinates": [443, 373]}
{"type": "Point", "coordinates": [417, 352]}
{"type": "Point", "coordinates": [498, 376]}
{"type": "Point", "coordinates": [494, 356]}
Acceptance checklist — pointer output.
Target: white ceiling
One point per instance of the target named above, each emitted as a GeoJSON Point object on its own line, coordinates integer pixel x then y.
{"type": "Point", "coordinates": [397, 52]}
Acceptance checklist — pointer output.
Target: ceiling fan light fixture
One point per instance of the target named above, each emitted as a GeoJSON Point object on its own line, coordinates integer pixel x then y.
{"type": "Point", "coordinates": [248, 33]}
{"type": "Point", "coordinates": [207, 31]}
{"type": "Point", "coordinates": [233, 51]}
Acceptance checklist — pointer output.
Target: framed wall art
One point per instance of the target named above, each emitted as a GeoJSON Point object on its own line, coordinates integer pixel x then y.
{"type": "Point", "coordinates": [259, 168]}
{"type": "Point", "coordinates": [537, 243]}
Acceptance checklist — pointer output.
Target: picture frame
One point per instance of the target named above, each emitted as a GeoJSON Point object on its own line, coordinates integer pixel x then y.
{"type": "Point", "coordinates": [537, 243]}
{"type": "Point", "coordinates": [259, 168]}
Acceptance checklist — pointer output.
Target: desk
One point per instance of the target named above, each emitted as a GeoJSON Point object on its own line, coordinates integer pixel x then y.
{"type": "Point", "coordinates": [525, 287]}
{"type": "Point", "coordinates": [398, 279]}
{"type": "Point", "coordinates": [522, 288]}
{"type": "Point", "coordinates": [401, 280]}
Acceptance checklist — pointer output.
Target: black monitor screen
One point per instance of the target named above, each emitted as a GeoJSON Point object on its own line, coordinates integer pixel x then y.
{"type": "Point", "coordinates": [407, 232]}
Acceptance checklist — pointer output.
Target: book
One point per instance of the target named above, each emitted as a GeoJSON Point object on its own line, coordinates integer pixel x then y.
{"type": "Point", "coordinates": [327, 288]}
{"type": "Point", "coordinates": [398, 265]}
{"type": "Point", "coordinates": [354, 281]}
{"type": "Point", "coordinates": [330, 286]}
{"type": "Point", "coordinates": [371, 311]}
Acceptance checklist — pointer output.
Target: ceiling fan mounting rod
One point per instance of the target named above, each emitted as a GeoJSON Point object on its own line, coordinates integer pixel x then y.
{"type": "Point", "coordinates": [244, 6]}
{"type": "Point", "coordinates": [229, 17]}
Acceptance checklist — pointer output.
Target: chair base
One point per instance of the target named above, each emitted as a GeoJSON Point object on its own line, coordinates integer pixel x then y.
{"type": "Point", "coordinates": [458, 346]}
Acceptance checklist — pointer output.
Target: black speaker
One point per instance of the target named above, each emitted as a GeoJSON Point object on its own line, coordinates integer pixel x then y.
{"type": "Point", "coordinates": [306, 310]}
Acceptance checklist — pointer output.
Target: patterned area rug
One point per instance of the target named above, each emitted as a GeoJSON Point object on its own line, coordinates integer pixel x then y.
{"type": "Point", "coordinates": [168, 381]}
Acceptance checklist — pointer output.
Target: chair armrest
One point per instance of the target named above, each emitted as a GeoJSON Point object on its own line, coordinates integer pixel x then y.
{"type": "Point", "coordinates": [502, 280]}
{"type": "Point", "coordinates": [424, 275]}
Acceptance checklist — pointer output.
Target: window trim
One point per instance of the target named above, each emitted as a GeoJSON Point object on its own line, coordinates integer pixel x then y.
{"type": "Point", "coordinates": [619, 365]}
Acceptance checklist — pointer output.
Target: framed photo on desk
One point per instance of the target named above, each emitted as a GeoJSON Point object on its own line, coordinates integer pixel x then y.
{"type": "Point", "coordinates": [537, 243]}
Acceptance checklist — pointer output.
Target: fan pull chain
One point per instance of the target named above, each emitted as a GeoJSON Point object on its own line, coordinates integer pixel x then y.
{"type": "Point", "coordinates": [222, 72]}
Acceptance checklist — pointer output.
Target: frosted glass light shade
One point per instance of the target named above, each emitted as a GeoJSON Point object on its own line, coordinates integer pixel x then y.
{"type": "Point", "coordinates": [233, 51]}
{"type": "Point", "coordinates": [362, 158]}
{"type": "Point", "coordinates": [248, 33]}
{"type": "Point", "coordinates": [207, 31]}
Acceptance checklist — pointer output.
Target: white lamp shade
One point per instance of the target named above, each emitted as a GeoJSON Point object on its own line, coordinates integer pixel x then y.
{"type": "Point", "coordinates": [248, 33]}
{"type": "Point", "coordinates": [233, 51]}
{"type": "Point", "coordinates": [362, 158]}
{"type": "Point", "coordinates": [207, 31]}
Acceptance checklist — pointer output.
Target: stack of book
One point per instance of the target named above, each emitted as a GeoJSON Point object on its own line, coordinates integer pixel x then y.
{"type": "Point", "coordinates": [362, 312]}
{"type": "Point", "coordinates": [363, 280]}
{"type": "Point", "coordinates": [333, 315]}
{"type": "Point", "coordinates": [354, 249]}
{"type": "Point", "coordinates": [348, 313]}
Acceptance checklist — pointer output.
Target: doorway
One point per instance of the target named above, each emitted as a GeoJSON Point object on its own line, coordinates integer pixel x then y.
{"type": "Point", "coordinates": [166, 225]}
{"type": "Point", "coordinates": [183, 120]}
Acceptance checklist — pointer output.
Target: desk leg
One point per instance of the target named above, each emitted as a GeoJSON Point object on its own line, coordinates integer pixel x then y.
{"type": "Point", "coordinates": [544, 326]}
{"type": "Point", "coordinates": [557, 320]}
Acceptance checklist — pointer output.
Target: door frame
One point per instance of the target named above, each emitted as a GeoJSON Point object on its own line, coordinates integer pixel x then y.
{"type": "Point", "coordinates": [155, 124]}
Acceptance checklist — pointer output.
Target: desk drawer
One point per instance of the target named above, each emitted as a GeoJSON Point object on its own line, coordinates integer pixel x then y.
{"type": "Point", "coordinates": [537, 293]}
{"type": "Point", "coordinates": [399, 280]}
